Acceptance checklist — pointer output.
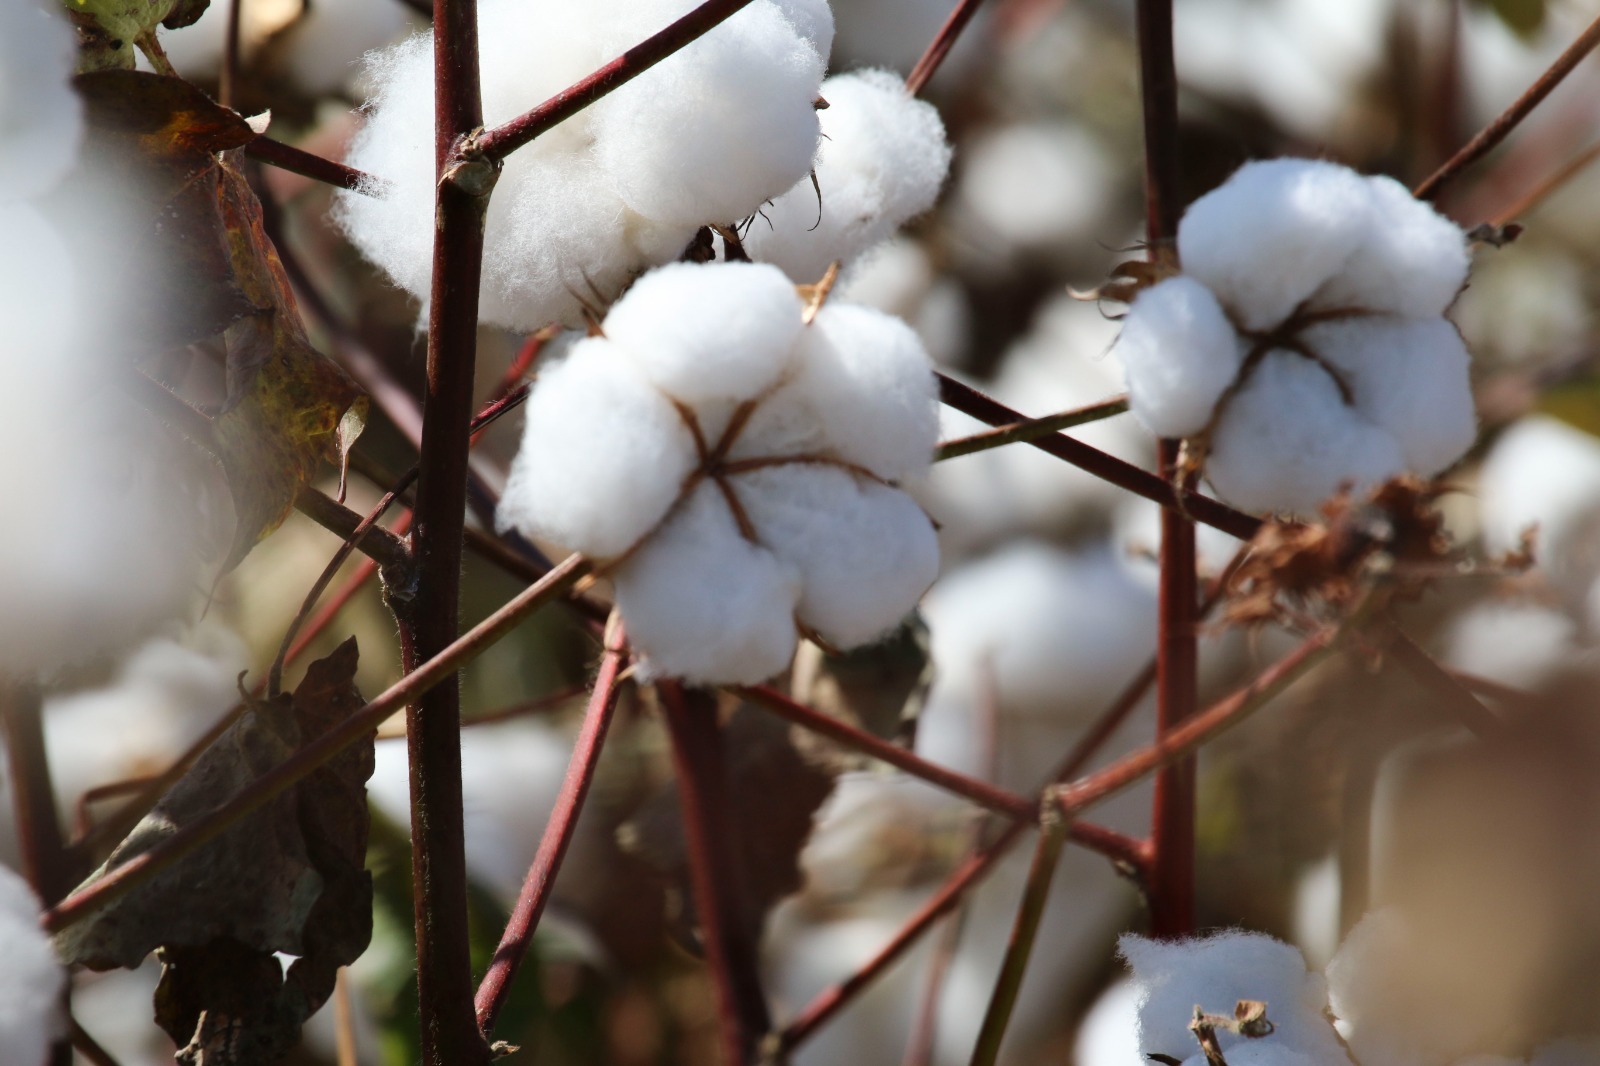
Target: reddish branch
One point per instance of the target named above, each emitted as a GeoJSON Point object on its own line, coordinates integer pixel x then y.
{"type": "Point", "coordinates": [296, 160]}
{"type": "Point", "coordinates": [698, 758]}
{"type": "Point", "coordinates": [1502, 125]}
{"type": "Point", "coordinates": [968, 400]}
{"type": "Point", "coordinates": [940, 46]}
{"type": "Point", "coordinates": [501, 141]}
{"type": "Point", "coordinates": [558, 832]}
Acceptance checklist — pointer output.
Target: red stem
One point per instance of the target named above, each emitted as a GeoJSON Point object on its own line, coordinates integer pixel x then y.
{"type": "Point", "coordinates": [968, 400]}
{"type": "Point", "coordinates": [698, 759]}
{"type": "Point", "coordinates": [429, 623]}
{"type": "Point", "coordinates": [940, 46]}
{"type": "Point", "coordinates": [1502, 125]}
{"type": "Point", "coordinates": [558, 832]}
{"type": "Point", "coordinates": [501, 141]}
{"type": "Point", "coordinates": [298, 161]}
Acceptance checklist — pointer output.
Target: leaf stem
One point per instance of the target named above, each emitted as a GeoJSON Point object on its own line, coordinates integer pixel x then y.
{"type": "Point", "coordinates": [928, 65]}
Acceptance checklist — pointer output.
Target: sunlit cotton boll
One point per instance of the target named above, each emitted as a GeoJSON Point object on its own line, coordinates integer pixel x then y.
{"type": "Point", "coordinates": [1339, 368]}
{"type": "Point", "coordinates": [900, 278]}
{"type": "Point", "coordinates": [31, 978]}
{"type": "Point", "coordinates": [1217, 971]}
{"type": "Point", "coordinates": [705, 137]}
{"type": "Point", "coordinates": [41, 121]}
{"type": "Point", "coordinates": [1034, 187]}
{"type": "Point", "coordinates": [881, 163]}
{"type": "Point", "coordinates": [735, 470]}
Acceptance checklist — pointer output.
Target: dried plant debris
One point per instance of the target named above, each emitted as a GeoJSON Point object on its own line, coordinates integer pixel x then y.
{"type": "Point", "coordinates": [1321, 569]}
{"type": "Point", "coordinates": [289, 879]}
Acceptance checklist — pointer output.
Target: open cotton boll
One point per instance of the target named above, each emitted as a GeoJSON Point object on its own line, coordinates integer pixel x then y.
{"type": "Point", "coordinates": [811, 19]}
{"type": "Point", "coordinates": [716, 128]}
{"type": "Point", "coordinates": [1273, 233]}
{"type": "Point", "coordinates": [899, 278]}
{"type": "Point", "coordinates": [867, 382]}
{"type": "Point", "coordinates": [1412, 260]}
{"type": "Point", "coordinates": [1215, 973]}
{"type": "Point", "coordinates": [882, 161]}
{"type": "Point", "coordinates": [677, 328]}
{"type": "Point", "coordinates": [31, 978]}
{"type": "Point", "coordinates": [1108, 1034]}
{"type": "Point", "coordinates": [704, 604]}
{"type": "Point", "coordinates": [1287, 441]}
{"type": "Point", "coordinates": [865, 552]}
{"type": "Point", "coordinates": [1035, 186]}
{"type": "Point", "coordinates": [41, 120]}
{"type": "Point", "coordinates": [1410, 378]}
{"type": "Point", "coordinates": [1518, 644]}
{"type": "Point", "coordinates": [1172, 396]}
{"type": "Point", "coordinates": [1543, 472]}
{"type": "Point", "coordinates": [603, 454]}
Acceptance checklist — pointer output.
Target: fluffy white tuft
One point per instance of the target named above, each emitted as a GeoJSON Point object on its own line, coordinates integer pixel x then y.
{"type": "Point", "coordinates": [41, 120]}
{"type": "Point", "coordinates": [1174, 397]}
{"type": "Point", "coordinates": [1412, 260]}
{"type": "Point", "coordinates": [1273, 234]}
{"type": "Point", "coordinates": [705, 604]}
{"type": "Point", "coordinates": [883, 159]}
{"type": "Point", "coordinates": [31, 978]}
{"type": "Point", "coordinates": [603, 454]}
{"type": "Point", "coordinates": [1288, 441]}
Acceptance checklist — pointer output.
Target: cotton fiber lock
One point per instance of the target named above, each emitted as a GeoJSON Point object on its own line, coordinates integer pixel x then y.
{"type": "Point", "coordinates": [704, 137]}
{"type": "Point", "coordinates": [1304, 343]}
{"type": "Point", "coordinates": [736, 470]}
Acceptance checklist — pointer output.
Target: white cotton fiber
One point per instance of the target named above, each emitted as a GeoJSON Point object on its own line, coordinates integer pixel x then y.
{"type": "Point", "coordinates": [1521, 644]}
{"type": "Point", "coordinates": [1543, 472]}
{"type": "Point", "coordinates": [1215, 972]}
{"type": "Point", "coordinates": [1273, 233]}
{"type": "Point", "coordinates": [870, 387]}
{"type": "Point", "coordinates": [716, 128]}
{"type": "Point", "coordinates": [1108, 1034]}
{"type": "Point", "coordinates": [702, 138]}
{"type": "Point", "coordinates": [1287, 441]}
{"type": "Point", "coordinates": [882, 161]}
{"type": "Point", "coordinates": [1036, 186]}
{"type": "Point", "coordinates": [865, 552]}
{"type": "Point", "coordinates": [811, 19]}
{"type": "Point", "coordinates": [603, 454]}
{"type": "Point", "coordinates": [677, 328]}
{"type": "Point", "coordinates": [31, 978]}
{"type": "Point", "coordinates": [41, 121]}
{"type": "Point", "coordinates": [704, 604]}
{"type": "Point", "coordinates": [1411, 259]}
{"type": "Point", "coordinates": [1410, 377]}
{"type": "Point", "coordinates": [1180, 353]}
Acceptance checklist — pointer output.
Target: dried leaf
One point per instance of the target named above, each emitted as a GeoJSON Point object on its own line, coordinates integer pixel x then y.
{"type": "Point", "coordinates": [773, 793]}
{"type": "Point", "coordinates": [880, 688]}
{"type": "Point", "coordinates": [290, 878]}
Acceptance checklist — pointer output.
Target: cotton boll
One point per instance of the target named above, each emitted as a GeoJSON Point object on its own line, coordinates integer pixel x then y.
{"type": "Point", "coordinates": [1180, 353]}
{"type": "Point", "coordinates": [1518, 644]}
{"type": "Point", "coordinates": [869, 386]}
{"type": "Point", "coordinates": [41, 120]}
{"type": "Point", "coordinates": [711, 332]}
{"type": "Point", "coordinates": [1108, 1035]}
{"type": "Point", "coordinates": [882, 159]}
{"type": "Point", "coordinates": [1549, 290]}
{"type": "Point", "coordinates": [1287, 441]}
{"type": "Point", "coordinates": [812, 20]}
{"type": "Point", "coordinates": [1272, 235]}
{"type": "Point", "coordinates": [603, 454]}
{"type": "Point", "coordinates": [1411, 262]}
{"type": "Point", "coordinates": [1543, 472]}
{"type": "Point", "coordinates": [704, 604]}
{"type": "Point", "coordinates": [1215, 973]}
{"type": "Point", "coordinates": [899, 278]}
{"type": "Point", "coordinates": [1054, 633]}
{"type": "Point", "coordinates": [718, 127]}
{"type": "Point", "coordinates": [1410, 377]}
{"type": "Point", "coordinates": [865, 552]}
{"type": "Point", "coordinates": [163, 697]}
{"type": "Point", "coordinates": [31, 978]}
{"type": "Point", "coordinates": [1035, 186]}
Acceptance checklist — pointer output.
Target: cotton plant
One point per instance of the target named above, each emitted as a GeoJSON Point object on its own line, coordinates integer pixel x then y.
{"type": "Point", "coordinates": [733, 462]}
{"type": "Point", "coordinates": [1304, 345]}
{"type": "Point", "coordinates": [31, 978]}
{"type": "Point", "coordinates": [703, 138]}
{"type": "Point", "coordinates": [883, 159]}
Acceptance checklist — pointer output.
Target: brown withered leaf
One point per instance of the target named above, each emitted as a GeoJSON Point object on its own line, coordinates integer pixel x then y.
{"type": "Point", "coordinates": [192, 260]}
{"type": "Point", "coordinates": [880, 688]}
{"type": "Point", "coordinates": [1319, 569]}
{"type": "Point", "coordinates": [290, 878]}
{"type": "Point", "coordinates": [773, 793]}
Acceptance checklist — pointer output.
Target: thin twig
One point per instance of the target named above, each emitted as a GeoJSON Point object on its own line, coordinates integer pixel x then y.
{"type": "Point", "coordinates": [501, 141]}
{"type": "Point", "coordinates": [1024, 932]}
{"type": "Point", "coordinates": [1031, 429]}
{"type": "Point", "coordinates": [1457, 699]}
{"type": "Point", "coordinates": [940, 46]}
{"type": "Point", "coordinates": [1524, 205]}
{"type": "Point", "coordinates": [298, 161]}
{"type": "Point", "coordinates": [344, 1022]}
{"type": "Point", "coordinates": [230, 55]}
{"type": "Point", "coordinates": [968, 400]}
{"type": "Point", "coordinates": [1502, 125]}
{"type": "Point", "coordinates": [699, 761]}
{"type": "Point", "coordinates": [303, 762]}
{"type": "Point", "coordinates": [88, 1046]}
{"type": "Point", "coordinates": [558, 832]}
